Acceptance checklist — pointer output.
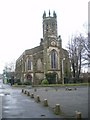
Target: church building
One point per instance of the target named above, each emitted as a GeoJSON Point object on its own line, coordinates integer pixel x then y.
{"type": "Point", "coordinates": [48, 57]}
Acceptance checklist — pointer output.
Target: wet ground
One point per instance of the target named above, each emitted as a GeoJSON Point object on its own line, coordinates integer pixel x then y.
{"type": "Point", "coordinates": [70, 100]}
{"type": "Point", "coordinates": [16, 105]}
{"type": "Point", "coordinates": [1, 94]}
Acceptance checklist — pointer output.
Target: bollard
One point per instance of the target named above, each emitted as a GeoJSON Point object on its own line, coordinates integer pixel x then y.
{"type": "Point", "coordinates": [57, 109]}
{"type": "Point", "coordinates": [25, 92]}
{"type": "Point", "coordinates": [45, 102]}
{"type": "Point", "coordinates": [66, 88]}
{"type": "Point", "coordinates": [56, 89]}
{"type": "Point", "coordinates": [32, 95]}
{"type": "Point", "coordinates": [28, 93]}
{"type": "Point", "coordinates": [46, 90]}
{"type": "Point", "coordinates": [78, 115]}
{"type": "Point", "coordinates": [69, 89]}
{"type": "Point", "coordinates": [22, 90]}
{"type": "Point", "coordinates": [35, 90]}
{"type": "Point", "coordinates": [75, 88]}
{"type": "Point", "coordinates": [37, 98]}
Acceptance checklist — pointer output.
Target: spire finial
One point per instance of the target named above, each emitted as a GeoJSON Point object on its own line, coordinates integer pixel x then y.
{"type": "Point", "coordinates": [44, 14]}
{"type": "Point", "coordinates": [54, 14]}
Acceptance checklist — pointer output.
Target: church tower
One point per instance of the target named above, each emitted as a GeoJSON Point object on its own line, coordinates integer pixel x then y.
{"type": "Point", "coordinates": [51, 44]}
{"type": "Point", "coordinates": [50, 25]}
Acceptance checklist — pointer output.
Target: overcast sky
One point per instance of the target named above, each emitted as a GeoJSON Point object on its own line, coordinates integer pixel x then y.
{"type": "Point", "coordinates": [21, 24]}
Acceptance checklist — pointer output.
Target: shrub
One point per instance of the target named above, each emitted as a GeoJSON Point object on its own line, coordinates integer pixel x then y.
{"type": "Point", "coordinates": [17, 80]}
{"type": "Point", "coordinates": [51, 77]}
{"type": "Point", "coordinates": [27, 83]}
{"type": "Point", "coordinates": [80, 80]}
{"type": "Point", "coordinates": [88, 79]}
{"type": "Point", "coordinates": [19, 83]}
{"type": "Point", "coordinates": [45, 82]}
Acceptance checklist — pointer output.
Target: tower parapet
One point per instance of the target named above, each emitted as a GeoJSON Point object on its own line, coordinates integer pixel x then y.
{"type": "Point", "coordinates": [49, 24]}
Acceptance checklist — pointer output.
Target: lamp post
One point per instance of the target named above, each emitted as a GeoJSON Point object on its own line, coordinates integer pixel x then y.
{"type": "Point", "coordinates": [63, 70]}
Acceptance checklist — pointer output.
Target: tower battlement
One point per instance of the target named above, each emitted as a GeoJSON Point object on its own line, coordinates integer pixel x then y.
{"type": "Point", "coordinates": [49, 24]}
{"type": "Point", "coordinates": [49, 15]}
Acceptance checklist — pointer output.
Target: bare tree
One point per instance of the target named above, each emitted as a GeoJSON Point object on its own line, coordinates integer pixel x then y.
{"type": "Point", "coordinates": [87, 46]}
{"type": "Point", "coordinates": [87, 42]}
{"type": "Point", "coordinates": [10, 67]}
{"type": "Point", "coordinates": [76, 52]}
{"type": "Point", "coordinates": [88, 51]}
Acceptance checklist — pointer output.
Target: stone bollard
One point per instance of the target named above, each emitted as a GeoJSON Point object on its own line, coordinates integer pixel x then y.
{"type": "Point", "coordinates": [56, 89]}
{"type": "Point", "coordinates": [57, 109]}
{"type": "Point", "coordinates": [66, 88]}
{"type": "Point", "coordinates": [25, 92]}
{"type": "Point", "coordinates": [35, 90]}
{"type": "Point", "coordinates": [75, 88]}
{"type": "Point", "coordinates": [78, 115]}
{"type": "Point", "coordinates": [69, 89]}
{"type": "Point", "coordinates": [32, 95]}
{"type": "Point", "coordinates": [37, 98]}
{"type": "Point", "coordinates": [45, 102]}
{"type": "Point", "coordinates": [46, 89]}
{"type": "Point", "coordinates": [22, 90]}
{"type": "Point", "coordinates": [28, 93]}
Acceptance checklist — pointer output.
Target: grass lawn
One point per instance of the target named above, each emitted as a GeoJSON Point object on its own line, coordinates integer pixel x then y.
{"type": "Point", "coordinates": [55, 85]}
{"type": "Point", "coordinates": [60, 85]}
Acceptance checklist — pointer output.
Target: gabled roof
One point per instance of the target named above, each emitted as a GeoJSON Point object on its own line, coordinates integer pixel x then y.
{"type": "Point", "coordinates": [33, 50]}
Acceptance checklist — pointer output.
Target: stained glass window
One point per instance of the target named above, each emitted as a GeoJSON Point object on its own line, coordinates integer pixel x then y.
{"type": "Point", "coordinates": [29, 64]}
{"type": "Point", "coordinates": [53, 59]}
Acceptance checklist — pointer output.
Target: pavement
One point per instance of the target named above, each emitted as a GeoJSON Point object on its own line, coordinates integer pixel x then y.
{"type": "Point", "coordinates": [17, 105]}
{"type": "Point", "coordinates": [0, 107]}
{"type": "Point", "coordinates": [70, 100]}
{"type": "Point", "coordinates": [1, 94]}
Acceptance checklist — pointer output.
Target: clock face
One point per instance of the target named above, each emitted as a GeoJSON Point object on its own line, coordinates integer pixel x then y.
{"type": "Point", "coordinates": [53, 43]}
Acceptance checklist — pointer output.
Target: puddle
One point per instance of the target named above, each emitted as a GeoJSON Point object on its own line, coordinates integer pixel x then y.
{"type": "Point", "coordinates": [1, 94]}
{"type": "Point", "coordinates": [6, 111]}
{"type": "Point", "coordinates": [1, 87]}
{"type": "Point", "coordinates": [6, 107]}
{"type": "Point", "coordinates": [26, 100]}
{"type": "Point", "coordinates": [10, 107]}
{"type": "Point", "coordinates": [42, 115]}
{"type": "Point", "coordinates": [7, 93]}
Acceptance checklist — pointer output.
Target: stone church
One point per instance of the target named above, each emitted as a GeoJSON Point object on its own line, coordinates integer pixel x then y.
{"type": "Point", "coordinates": [48, 57]}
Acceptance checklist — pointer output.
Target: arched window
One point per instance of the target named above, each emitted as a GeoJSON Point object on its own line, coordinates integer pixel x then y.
{"type": "Point", "coordinates": [53, 59]}
{"type": "Point", "coordinates": [29, 64]}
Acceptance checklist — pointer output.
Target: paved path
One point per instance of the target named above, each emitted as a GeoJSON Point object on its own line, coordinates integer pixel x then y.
{"type": "Point", "coordinates": [1, 90]}
{"type": "Point", "coordinates": [70, 101]}
{"type": "Point", "coordinates": [0, 107]}
{"type": "Point", "coordinates": [17, 105]}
